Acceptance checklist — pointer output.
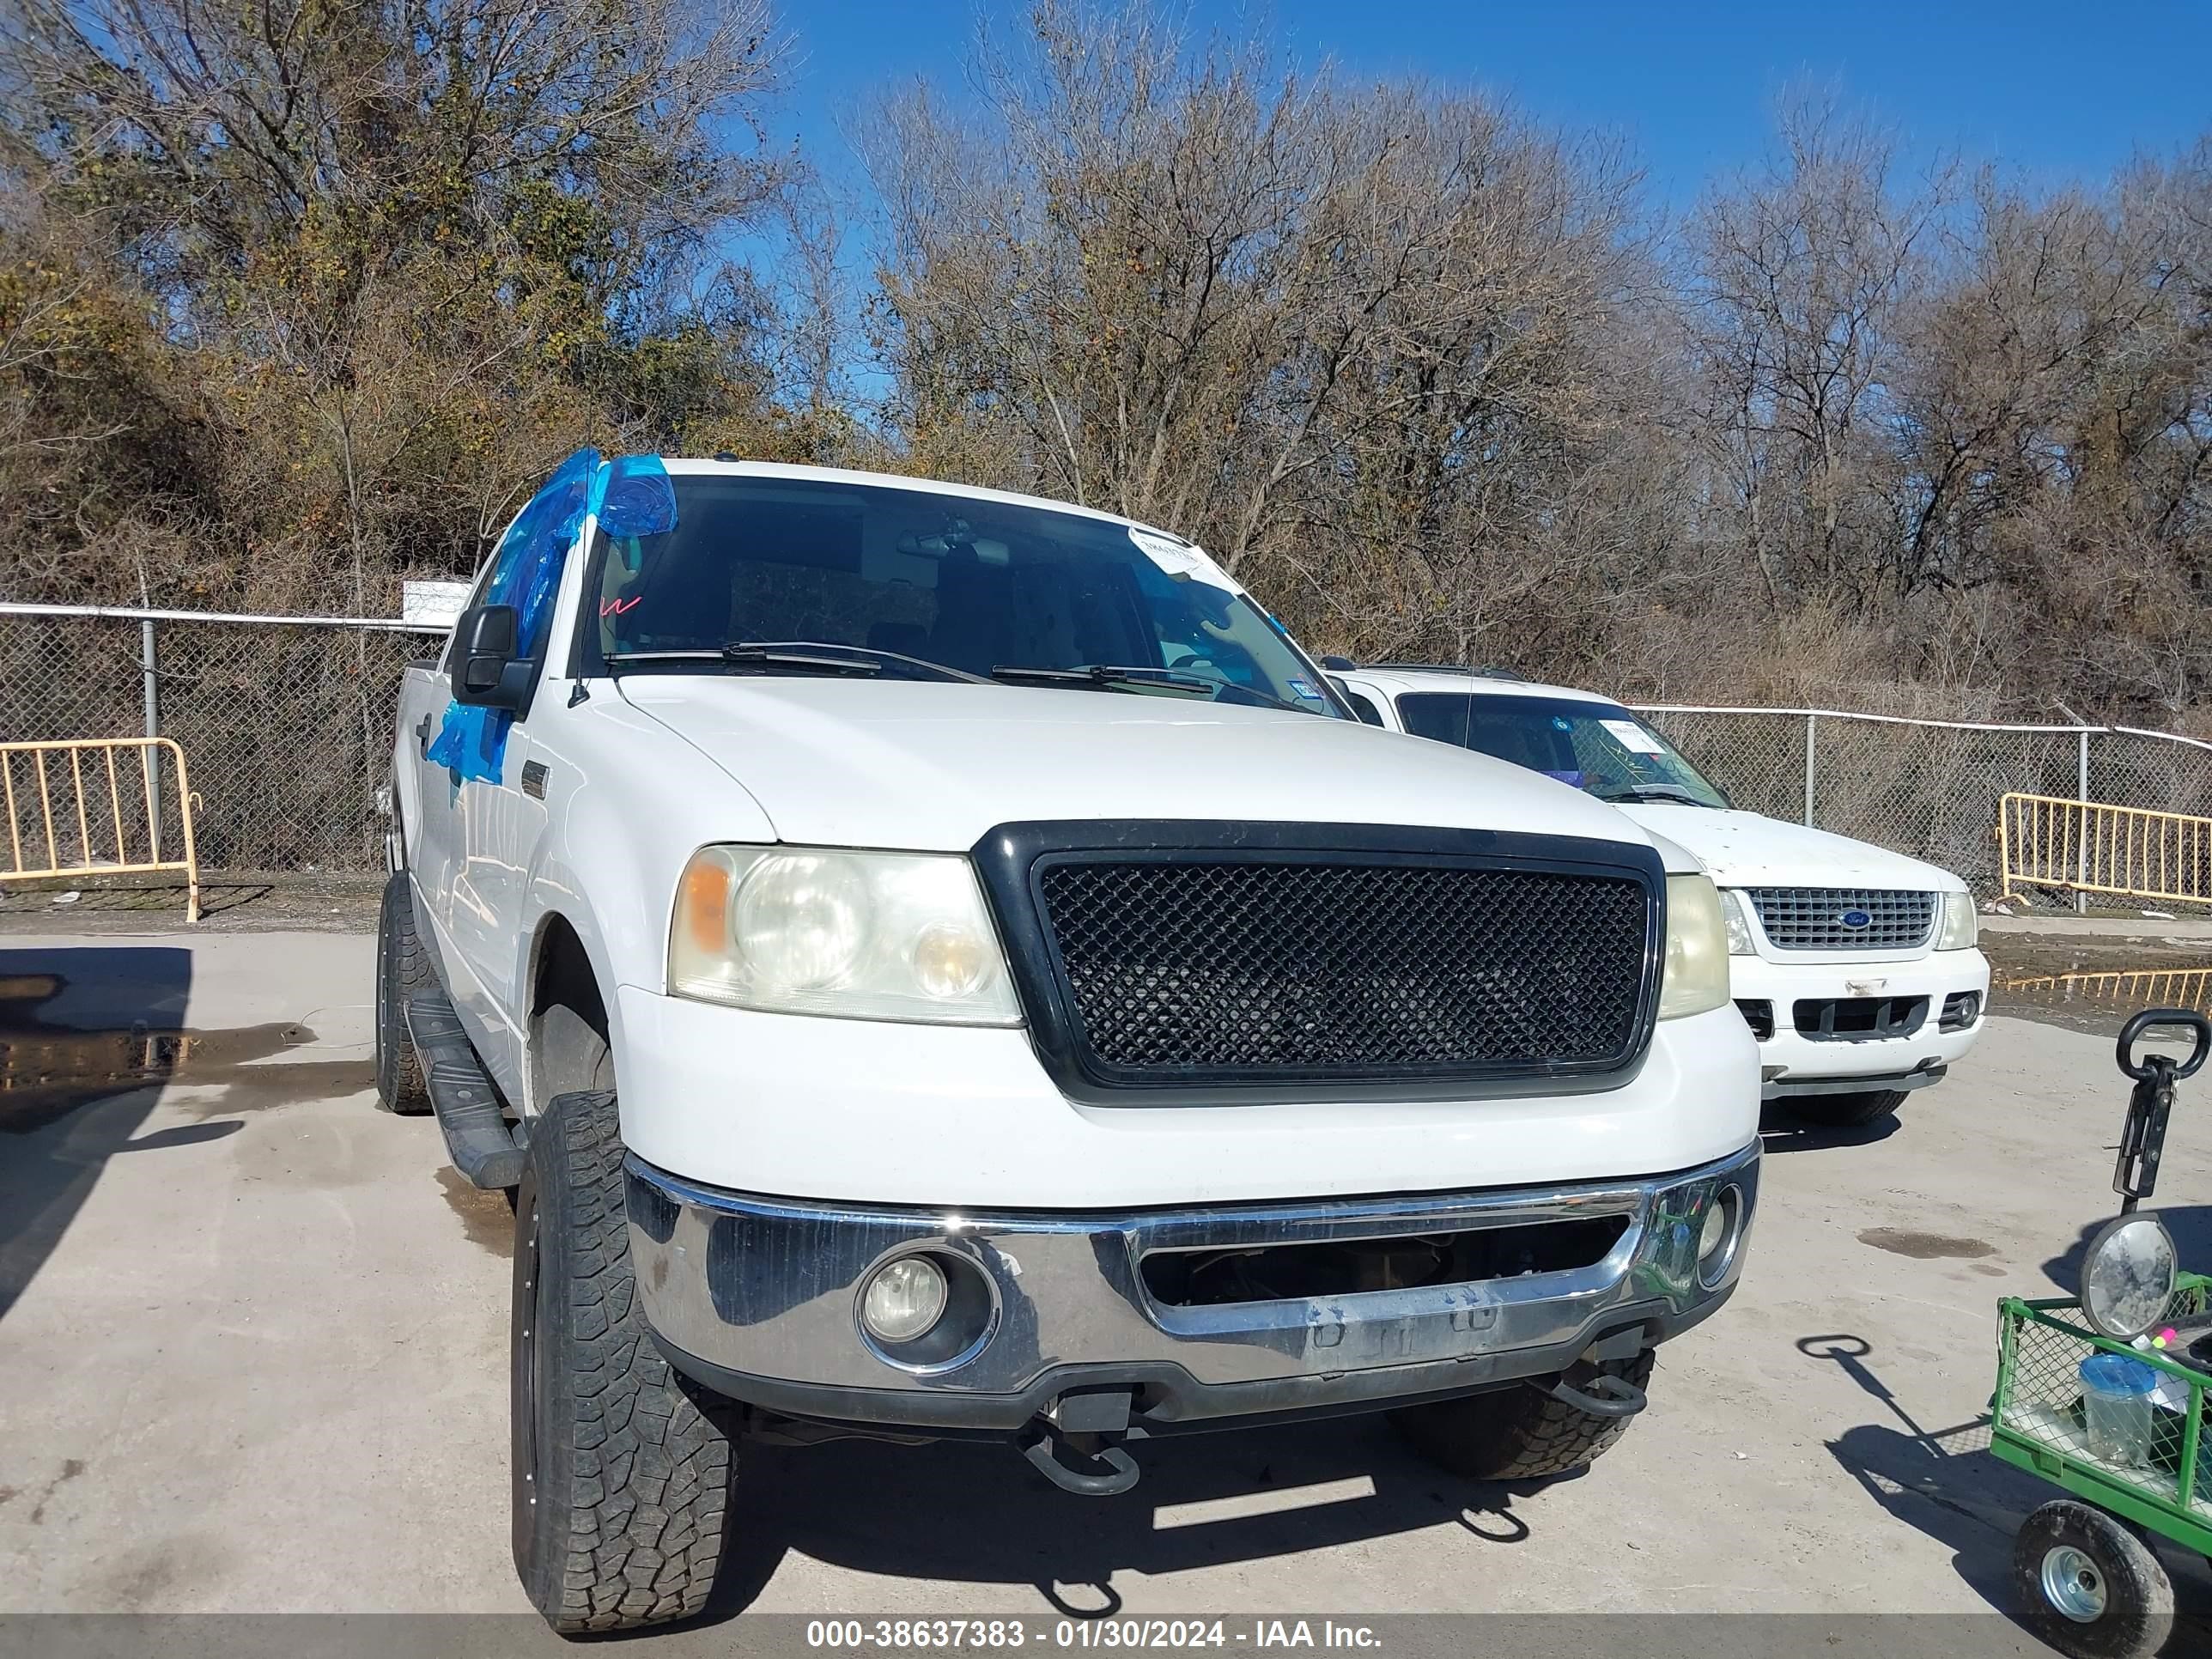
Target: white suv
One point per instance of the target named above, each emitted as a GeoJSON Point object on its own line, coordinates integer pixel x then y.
{"type": "Point", "coordinates": [1854, 967]}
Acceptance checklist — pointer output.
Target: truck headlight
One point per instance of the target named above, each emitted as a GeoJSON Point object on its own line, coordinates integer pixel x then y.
{"type": "Point", "coordinates": [1738, 923]}
{"type": "Point", "coordinates": [1695, 975]}
{"type": "Point", "coordinates": [1961, 924]}
{"type": "Point", "coordinates": [822, 931]}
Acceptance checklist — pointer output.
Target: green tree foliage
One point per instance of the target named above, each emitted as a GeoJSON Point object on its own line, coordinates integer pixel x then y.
{"type": "Point", "coordinates": [301, 296]}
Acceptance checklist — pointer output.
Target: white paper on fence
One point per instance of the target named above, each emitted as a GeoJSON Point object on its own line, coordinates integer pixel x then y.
{"type": "Point", "coordinates": [1633, 738]}
{"type": "Point", "coordinates": [432, 605]}
{"type": "Point", "coordinates": [1177, 560]}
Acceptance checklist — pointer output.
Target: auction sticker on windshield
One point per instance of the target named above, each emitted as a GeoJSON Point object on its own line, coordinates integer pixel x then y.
{"type": "Point", "coordinates": [1633, 738]}
{"type": "Point", "coordinates": [1178, 560]}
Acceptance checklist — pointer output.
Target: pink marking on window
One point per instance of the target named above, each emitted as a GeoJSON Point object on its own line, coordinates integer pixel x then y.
{"type": "Point", "coordinates": [615, 607]}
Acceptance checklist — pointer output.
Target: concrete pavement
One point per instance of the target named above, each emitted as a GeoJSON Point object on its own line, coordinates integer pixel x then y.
{"type": "Point", "coordinates": [252, 1359]}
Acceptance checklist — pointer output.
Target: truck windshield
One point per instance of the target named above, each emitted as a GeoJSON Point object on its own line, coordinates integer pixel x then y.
{"type": "Point", "coordinates": [1598, 747]}
{"type": "Point", "coordinates": [912, 578]}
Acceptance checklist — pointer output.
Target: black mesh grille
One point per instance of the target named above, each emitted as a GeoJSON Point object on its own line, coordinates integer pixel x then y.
{"type": "Point", "coordinates": [1229, 970]}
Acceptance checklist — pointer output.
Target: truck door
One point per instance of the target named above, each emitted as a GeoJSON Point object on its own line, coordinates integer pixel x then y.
{"type": "Point", "coordinates": [494, 829]}
{"type": "Point", "coordinates": [496, 818]}
{"type": "Point", "coordinates": [483, 815]}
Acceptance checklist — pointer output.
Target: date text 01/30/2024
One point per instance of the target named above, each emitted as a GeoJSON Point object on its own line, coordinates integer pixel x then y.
{"type": "Point", "coordinates": [897, 1635]}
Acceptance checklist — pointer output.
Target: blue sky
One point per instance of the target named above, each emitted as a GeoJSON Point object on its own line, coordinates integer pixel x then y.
{"type": "Point", "coordinates": [2054, 90]}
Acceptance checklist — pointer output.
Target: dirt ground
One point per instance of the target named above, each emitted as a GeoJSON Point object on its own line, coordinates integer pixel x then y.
{"type": "Point", "coordinates": [229, 903]}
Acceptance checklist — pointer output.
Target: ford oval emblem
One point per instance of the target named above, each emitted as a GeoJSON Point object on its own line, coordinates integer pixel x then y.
{"type": "Point", "coordinates": [1856, 920]}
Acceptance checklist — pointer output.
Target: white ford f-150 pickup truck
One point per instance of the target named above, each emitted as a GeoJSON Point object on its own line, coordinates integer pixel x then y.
{"type": "Point", "coordinates": [1855, 967]}
{"type": "Point", "coordinates": [937, 963]}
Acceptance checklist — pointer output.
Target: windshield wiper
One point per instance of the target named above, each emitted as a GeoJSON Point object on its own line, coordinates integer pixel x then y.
{"type": "Point", "coordinates": [1104, 676]}
{"type": "Point", "coordinates": [799, 656]}
{"type": "Point", "coordinates": [763, 657]}
{"type": "Point", "coordinates": [1656, 792]}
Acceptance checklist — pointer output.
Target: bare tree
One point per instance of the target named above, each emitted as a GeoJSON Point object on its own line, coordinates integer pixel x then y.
{"type": "Point", "coordinates": [1802, 273]}
{"type": "Point", "coordinates": [1352, 339]}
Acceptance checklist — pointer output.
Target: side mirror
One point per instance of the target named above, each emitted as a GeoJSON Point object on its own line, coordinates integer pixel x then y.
{"type": "Point", "coordinates": [488, 668]}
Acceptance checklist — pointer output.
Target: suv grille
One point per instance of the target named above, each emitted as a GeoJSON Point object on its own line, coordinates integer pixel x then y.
{"type": "Point", "coordinates": [1817, 918]}
{"type": "Point", "coordinates": [1197, 969]}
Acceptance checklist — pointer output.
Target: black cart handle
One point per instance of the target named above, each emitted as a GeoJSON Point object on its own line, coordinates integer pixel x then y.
{"type": "Point", "coordinates": [2149, 1019]}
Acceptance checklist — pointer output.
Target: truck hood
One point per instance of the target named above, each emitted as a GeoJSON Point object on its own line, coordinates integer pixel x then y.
{"type": "Point", "coordinates": [932, 766]}
{"type": "Point", "coordinates": [1744, 849]}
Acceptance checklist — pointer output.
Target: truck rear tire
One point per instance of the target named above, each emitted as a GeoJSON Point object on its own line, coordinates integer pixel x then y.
{"type": "Point", "coordinates": [622, 1472]}
{"type": "Point", "coordinates": [1848, 1111]}
{"type": "Point", "coordinates": [1518, 1433]}
{"type": "Point", "coordinates": [402, 968]}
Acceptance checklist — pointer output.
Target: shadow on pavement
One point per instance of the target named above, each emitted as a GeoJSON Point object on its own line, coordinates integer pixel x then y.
{"type": "Point", "coordinates": [1947, 1484]}
{"type": "Point", "coordinates": [1778, 1131]}
{"type": "Point", "coordinates": [975, 1513]}
{"type": "Point", "coordinates": [74, 1106]}
{"type": "Point", "coordinates": [88, 1036]}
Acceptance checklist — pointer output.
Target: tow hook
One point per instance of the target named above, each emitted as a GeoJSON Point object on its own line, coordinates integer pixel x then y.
{"type": "Point", "coordinates": [1604, 1395]}
{"type": "Point", "coordinates": [1042, 1445]}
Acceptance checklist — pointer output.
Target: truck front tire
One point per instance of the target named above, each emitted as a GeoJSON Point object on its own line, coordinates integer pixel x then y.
{"type": "Point", "coordinates": [402, 968]}
{"type": "Point", "coordinates": [1518, 1433]}
{"type": "Point", "coordinates": [621, 1473]}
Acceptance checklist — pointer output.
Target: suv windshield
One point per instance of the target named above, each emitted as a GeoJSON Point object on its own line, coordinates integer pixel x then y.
{"type": "Point", "coordinates": [1598, 747]}
{"type": "Point", "coordinates": [915, 577]}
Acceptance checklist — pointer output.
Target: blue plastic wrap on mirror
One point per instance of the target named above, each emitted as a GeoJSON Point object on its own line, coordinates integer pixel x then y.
{"type": "Point", "coordinates": [632, 496]}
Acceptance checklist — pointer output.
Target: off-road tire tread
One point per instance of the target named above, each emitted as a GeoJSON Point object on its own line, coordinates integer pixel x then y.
{"type": "Point", "coordinates": [650, 1458]}
{"type": "Point", "coordinates": [2138, 1619]}
{"type": "Point", "coordinates": [1848, 1111]}
{"type": "Point", "coordinates": [1518, 1433]}
{"type": "Point", "coordinates": [403, 969]}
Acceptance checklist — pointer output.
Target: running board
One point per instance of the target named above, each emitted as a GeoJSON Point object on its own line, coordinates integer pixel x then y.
{"type": "Point", "coordinates": [477, 1139]}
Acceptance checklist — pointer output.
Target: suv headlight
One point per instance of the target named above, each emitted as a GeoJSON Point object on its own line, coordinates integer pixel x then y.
{"type": "Point", "coordinates": [799, 930]}
{"type": "Point", "coordinates": [1961, 925]}
{"type": "Point", "coordinates": [1696, 976]}
{"type": "Point", "coordinates": [1735, 917]}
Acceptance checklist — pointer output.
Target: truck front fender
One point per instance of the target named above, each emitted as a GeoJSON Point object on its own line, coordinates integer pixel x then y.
{"type": "Point", "coordinates": [630, 802]}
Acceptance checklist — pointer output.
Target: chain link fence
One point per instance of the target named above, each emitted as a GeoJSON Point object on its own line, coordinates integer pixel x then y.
{"type": "Point", "coordinates": [1925, 787]}
{"type": "Point", "coordinates": [286, 723]}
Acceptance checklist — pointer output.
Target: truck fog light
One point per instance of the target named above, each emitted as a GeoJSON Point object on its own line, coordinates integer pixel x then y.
{"type": "Point", "coordinates": [904, 1299]}
{"type": "Point", "coordinates": [1717, 1238]}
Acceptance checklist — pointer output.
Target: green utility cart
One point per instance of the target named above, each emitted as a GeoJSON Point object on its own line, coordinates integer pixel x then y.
{"type": "Point", "coordinates": [2103, 1394]}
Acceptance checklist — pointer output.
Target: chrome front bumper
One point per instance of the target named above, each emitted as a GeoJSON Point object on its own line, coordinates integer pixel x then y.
{"type": "Point", "coordinates": [758, 1298]}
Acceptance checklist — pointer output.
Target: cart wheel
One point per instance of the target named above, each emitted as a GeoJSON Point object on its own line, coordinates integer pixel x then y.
{"type": "Point", "coordinates": [2089, 1587]}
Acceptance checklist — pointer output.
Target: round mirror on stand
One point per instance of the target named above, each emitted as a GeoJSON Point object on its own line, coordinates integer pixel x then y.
{"type": "Point", "coordinates": [2127, 1276]}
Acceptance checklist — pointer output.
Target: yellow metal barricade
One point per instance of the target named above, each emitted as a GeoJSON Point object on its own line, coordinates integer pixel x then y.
{"type": "Point", "coordinates": [2088, 846]}
{"type": "Point", "coordinates": [2126, 988]}
{"type": "Point", "coordinates": [97, 806]}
